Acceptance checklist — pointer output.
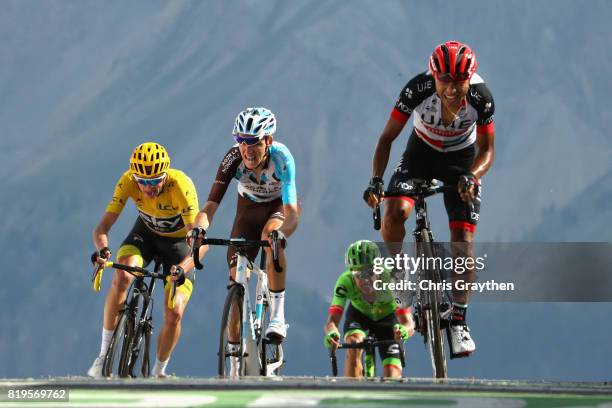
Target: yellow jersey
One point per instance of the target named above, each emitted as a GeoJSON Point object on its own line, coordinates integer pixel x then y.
{"type": "Point", "coordinates": [169, 212]}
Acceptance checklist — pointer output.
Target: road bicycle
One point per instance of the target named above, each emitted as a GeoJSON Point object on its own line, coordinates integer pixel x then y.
{"type": "Point", "coordinates": [252, 354]}
{"type": "Point", "coordinates": [369, 345]}
{"type": "Point", "coordinates": [433, 307]}
{"type": "Point", "coordinates": [133, 331]}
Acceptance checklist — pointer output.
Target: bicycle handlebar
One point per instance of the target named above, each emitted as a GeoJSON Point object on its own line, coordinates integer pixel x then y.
{"type": "Point", "coordinates": [237, 243]}
{"type": "Point", "coordinates": [133, 270]}
{"type": "Point", "coordinates": [366, 343]}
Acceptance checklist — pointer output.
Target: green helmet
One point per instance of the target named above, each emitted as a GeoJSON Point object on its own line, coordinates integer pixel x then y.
{"type": "Point", "coordinates": [361, 254]}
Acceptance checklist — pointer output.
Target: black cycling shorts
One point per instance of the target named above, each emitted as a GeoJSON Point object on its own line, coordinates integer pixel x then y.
{"type": "Point", "coordinates": [251, 217]}
{"type": "Point", "coordinates": [419, 161]}
{"type": "Point", "coordinates": [381, 330]}
{"type": "Point", "coordinates": [170, 251]}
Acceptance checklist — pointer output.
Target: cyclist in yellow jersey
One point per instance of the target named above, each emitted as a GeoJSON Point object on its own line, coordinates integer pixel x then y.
{"type": "Point", "coordinates": [167, 204]}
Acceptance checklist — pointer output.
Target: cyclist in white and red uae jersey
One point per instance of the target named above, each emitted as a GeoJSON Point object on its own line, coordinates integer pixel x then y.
{"type": "Point", "coordinates": [452, 141]}
{"type": "Point", "coordinates": [420, 100]}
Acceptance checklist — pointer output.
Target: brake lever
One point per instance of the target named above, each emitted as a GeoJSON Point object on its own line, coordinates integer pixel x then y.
{"type": "Point", "coordinates": [195, 254]}
{"type": "Point", "coordinates": [277, 266]}
{"type": "Point", "coordinates": [376, 214]}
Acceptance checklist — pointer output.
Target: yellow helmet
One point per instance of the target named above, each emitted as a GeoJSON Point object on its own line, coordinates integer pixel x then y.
{"type": "Point", "coordinates": [149, 160]}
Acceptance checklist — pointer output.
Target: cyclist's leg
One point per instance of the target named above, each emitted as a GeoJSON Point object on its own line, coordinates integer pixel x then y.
{"type": "Point", "coordinates": [173, 251]}
{"type": "Point", "coordinates": [390, 355]}
{"type": "Point", "coordinates": [134, 251]}
{"type": "Point", "coordinates": [462, 235]}
{"type": "Point", "coordinates": [462, 216]}
{"type": "Point", "coordinates": [277, 326]}
{"type": "Point", "coordinates": [463, 219]}
{"type": "Point", "coordinates": [248, 223]}
{"type": "Point", "coordinates": [355, 330]}
{"type": "Point", "coordinates": [398, 203]}
{"type": "Point", "coordinates": [117, 293]}
{"type": "Point", "coordinates": [277, 279]}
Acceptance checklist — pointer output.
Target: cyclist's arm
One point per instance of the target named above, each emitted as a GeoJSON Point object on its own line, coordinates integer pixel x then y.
{"type": "Point", "coordinates": [225, 173]}
{"type": "Point", "coordinates": [187, 263]}
{"type": "Point", "coordinates": [485, 129]}
{"type": "Point", "coordinates": [292, 217]}
{"type": "Point", "coordinates": [486, 150]}
{"type": "Point", "coordinates": [285, 165]}
{"type": "Point", "coordinates": [404, 317]}
{"type": "Point", "coordinates": [100, 232]}
{"type": "Point", "coordinates": [206, 214]}
{"type": "Point", "coordinates": [383, 148]}
{"type": "Point", "coordinates": [123, 190]}
{"type": "Point", "coordinates": [333, 322]}
{"type": "Point", "coordinates": [411, 95]}
{"type": "Point", "coordinates": [341, 297]}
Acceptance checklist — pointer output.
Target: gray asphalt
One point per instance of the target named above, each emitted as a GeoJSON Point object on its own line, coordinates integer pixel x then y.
{"type": "Point", "coordinates": [321, 383]}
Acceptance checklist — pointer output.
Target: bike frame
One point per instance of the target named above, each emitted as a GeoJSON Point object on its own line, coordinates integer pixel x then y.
{"type": "Point", "coordinates": [244, 268]}
{"type": "Point", "coordinates": [250, 319]}
{"type": "Point", "coordinates": [428, 301]}
{"type": "Point", "coordinates": [144, 325]}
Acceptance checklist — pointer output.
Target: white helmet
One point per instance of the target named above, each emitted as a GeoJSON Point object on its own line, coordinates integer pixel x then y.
{"type": "Point", "coordinates": [256, 122]}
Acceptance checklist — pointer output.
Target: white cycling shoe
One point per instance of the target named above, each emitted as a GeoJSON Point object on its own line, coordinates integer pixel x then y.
{"type": "Point", "coordinates": [462, 344]}
{"type": "Point", "coordinates": [277, 330]}
{"type": "Point", "coordinates": [95, 370]}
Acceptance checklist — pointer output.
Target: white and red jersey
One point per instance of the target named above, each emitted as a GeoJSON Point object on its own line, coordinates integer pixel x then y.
{"type": "Point", "coordinates": [474, 116]}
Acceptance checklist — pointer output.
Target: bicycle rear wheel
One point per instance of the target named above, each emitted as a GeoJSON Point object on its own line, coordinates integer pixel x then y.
{"type": "Point", "coordinates": [231, 322]}
{"type": "Point", "coordinates": [434, 338]}
{"type": "Point", "coordinates": [118, 353]}
{"type": "Point", "coordinates": [270, 354]}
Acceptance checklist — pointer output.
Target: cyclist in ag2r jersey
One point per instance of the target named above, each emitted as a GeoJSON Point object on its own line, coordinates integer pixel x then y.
{"type": "Point", "coordinates": [267, 201]}
{"type": "Point", "coordinates": [452, 141]}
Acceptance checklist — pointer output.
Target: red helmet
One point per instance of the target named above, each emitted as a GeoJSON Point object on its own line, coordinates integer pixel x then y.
{"type": "Point", "coordinates": [453, 61]}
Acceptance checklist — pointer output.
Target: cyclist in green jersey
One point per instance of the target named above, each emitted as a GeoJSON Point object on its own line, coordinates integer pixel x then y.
{"type": "Point", "coordinates": [370, 312]}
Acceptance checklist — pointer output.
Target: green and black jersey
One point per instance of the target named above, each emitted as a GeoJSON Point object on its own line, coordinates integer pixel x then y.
{"type": "Point", "coordinates": [381, 305]}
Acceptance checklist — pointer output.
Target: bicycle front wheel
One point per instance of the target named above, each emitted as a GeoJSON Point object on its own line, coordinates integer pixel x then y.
{"type": "Point", "coordinates": [435, 340]}
{"type": "Point", "coordinates": [118, 353]}
{"type": "Point", "coordinates": [231, 353]}
{"type": "Point", "coordinates": [270, 354]}
{"type": "Point", "coordinates": [139, 347]}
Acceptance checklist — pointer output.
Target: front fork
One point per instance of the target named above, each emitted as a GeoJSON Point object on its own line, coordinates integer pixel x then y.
{"type": "Point", "coordinates": [261, 299]}
{"type": "Point", "coordinates": [144, 331]}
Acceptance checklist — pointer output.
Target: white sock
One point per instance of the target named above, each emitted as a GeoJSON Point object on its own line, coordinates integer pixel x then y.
{"type": "Point", "coordinates": [277, 305]}
{"type": "Point", "coordinates": [160, 367]}
{"type": "Point", "coordinates": [107, 336]}
{"type": "Point", "coordinates": [233, 347]}
{"type": "Point", "coordinates": [235, 361]}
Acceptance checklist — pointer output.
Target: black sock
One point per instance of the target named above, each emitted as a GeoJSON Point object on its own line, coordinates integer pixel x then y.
{"type": "Point", "coordinates": [459, 314]}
